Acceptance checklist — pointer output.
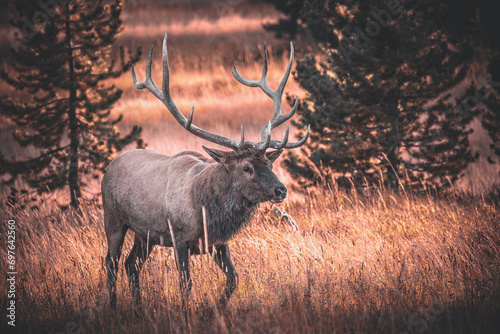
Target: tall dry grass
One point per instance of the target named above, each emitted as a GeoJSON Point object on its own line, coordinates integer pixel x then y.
{"type": "Point", "coordinates": [374, 263]}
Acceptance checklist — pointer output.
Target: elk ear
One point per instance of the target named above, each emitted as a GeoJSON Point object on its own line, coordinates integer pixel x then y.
{"type": "Point", "coordinates": [217, 155]}
{"type": "Point", "coordinates": [273, 155]}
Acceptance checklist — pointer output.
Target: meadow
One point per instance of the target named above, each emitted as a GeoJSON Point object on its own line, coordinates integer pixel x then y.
{"type": "Point", "coordinates": [359, 263]}
{"type": "Point", "coordinates": [379, 261]}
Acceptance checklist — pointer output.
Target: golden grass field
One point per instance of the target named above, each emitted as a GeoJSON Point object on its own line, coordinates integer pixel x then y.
{"type": "Point", "coordinates": [378, 262]}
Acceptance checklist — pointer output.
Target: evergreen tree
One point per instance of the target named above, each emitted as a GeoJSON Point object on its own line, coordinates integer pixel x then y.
{"type": "Point", "coordinates": [477, 21]}
{"type": "Point", "coordinates": [287, 26]}
{"type": "Point", "coordinates": [484, 30]}
{"type": "Point", "coordinates": [491, 122]}
{"type": "Point", "coordinates": [375, 95]}
{"type": "Point", "coordinates": [60, 67]}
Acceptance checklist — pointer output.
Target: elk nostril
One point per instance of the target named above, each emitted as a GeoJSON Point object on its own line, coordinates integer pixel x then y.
{"type": "Point", "coordinates": [280, 192]}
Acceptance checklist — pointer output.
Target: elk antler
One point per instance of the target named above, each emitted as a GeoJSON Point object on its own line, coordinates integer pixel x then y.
{"type": "Point", "coordinates": [277, 97]}
{"type": "Point", "coordinates": [165, 97]}
{"type": "Point", "coordinates": [277, 119]}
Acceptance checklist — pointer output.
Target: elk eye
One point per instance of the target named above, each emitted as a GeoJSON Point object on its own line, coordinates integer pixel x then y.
{"type": "Point", "coordinates": [248, 169]}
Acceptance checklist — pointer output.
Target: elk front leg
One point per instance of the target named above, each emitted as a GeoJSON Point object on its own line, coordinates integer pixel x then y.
{"type": "Point", "coordinates": [184, 276]}
{"type": "Point", "coordinates": [223, 260]}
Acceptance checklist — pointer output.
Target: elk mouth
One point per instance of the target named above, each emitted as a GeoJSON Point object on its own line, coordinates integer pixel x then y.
{"type": "Point", "coordinates": [276, 200]}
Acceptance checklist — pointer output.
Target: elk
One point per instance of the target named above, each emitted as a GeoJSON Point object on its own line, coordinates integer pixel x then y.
{"type": "Point", "coordinates": [188, 201]}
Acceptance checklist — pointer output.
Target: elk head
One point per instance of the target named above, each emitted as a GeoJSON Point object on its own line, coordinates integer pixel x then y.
{"type": "Point", "coordinates": [249, 164]}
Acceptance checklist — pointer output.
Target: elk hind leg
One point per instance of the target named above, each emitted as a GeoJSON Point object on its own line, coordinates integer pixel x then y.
{"type": "Point", "coordinates": [138, 255]}
{"type": "Point", "coordinates": [115, 236]}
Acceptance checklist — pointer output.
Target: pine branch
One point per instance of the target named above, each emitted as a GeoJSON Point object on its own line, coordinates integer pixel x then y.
{"type": "Point", "coordinates": [18, 167]}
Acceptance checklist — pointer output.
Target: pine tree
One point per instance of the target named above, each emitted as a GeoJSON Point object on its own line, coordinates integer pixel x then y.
{"type": "Point", "coordinates": [60, 67]}
{"type": "Point", "coordinates": [491, 119]}
{"type": "Point", "coordinates": [287, 26]}
{"type": "Point", "coordinates": [375, 98]}
{"type": "Point", "coordinates": [484, 93]}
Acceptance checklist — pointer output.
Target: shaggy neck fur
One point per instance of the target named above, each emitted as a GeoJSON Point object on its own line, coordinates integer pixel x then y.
{"type": "Point", "coordinates": [228, 211]}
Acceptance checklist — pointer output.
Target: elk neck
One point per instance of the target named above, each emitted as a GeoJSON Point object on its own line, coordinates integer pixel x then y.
{"type": "Point", "coordinates": [227, 211]}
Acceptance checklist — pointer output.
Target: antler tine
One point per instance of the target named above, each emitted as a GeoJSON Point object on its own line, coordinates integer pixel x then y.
{"type": "Point", "coordinates": [284, 80]}
{"type": "Point", "coordinates": [283, 118]}
{"type": "Point", "coordinates": [165, 97]}
{"type": "Point", "coordinates": [166, 69]}
{"type": "Point", "coordinates": [242, 141]}
{"type": "Point", "coordinates": [261, 83]}
{"type": "Point", "coordinates": [278, 118]}
{"type": "Point", "coordinates": [148, 83]}
{"type": "Point", "coordinates": [283, 144]}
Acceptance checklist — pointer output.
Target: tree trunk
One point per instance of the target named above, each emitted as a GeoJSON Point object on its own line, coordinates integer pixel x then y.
{"type": "Point", "coordinates": [73, 178]}
{"type": "Point", "coordinates": [393, 139]}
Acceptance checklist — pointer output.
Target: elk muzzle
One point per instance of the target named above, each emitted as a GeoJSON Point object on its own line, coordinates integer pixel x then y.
{"type": "Point", "coordinates": [278, 193]}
